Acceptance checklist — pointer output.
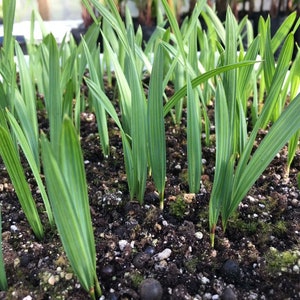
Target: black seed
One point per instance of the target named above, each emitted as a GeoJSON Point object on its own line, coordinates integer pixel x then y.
{"type": "Point", "coordinates": [24, 260]}
{"type": "Point", "coordinates": [231, 271]}
{"type": "Point", "coordinates": [150, 250]}
{"type": "Point", "coordinates": [228, 294]}
{"type": "Point", "coordinates": [107, 271]}
{"type": "Point", "coordinates": [150, 289]}
{"type": "Point", "coordinates": [112, 296]}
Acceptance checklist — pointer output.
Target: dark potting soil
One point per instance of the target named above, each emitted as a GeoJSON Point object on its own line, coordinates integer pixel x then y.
{"type": "Point", "coordinates": [258, 257]}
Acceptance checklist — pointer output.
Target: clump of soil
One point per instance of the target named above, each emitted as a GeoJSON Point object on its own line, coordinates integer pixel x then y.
{"type": "Point", "coordinates": [258, 257]}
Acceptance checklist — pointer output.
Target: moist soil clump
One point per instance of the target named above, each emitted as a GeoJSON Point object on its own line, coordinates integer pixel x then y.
{"type": "Point", "coordinates": [146, 253]}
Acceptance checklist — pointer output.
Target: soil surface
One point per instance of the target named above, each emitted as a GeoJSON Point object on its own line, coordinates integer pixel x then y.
{"type": "Point", "coordinates": [258, 257]}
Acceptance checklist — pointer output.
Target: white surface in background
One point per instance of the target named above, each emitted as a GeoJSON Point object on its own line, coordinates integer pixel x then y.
{"type": "Point", "coordinates": [59, 10]}
{"type": "Point", "coordinates": [58, 28]}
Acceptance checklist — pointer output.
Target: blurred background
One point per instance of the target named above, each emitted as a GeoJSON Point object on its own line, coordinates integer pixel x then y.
{"type": "Point", "coordinates": [68, 12]}
{"type": "Point", "coordinates": [57, 9]}
{"type": "Point", "coordinates": [71, 9]}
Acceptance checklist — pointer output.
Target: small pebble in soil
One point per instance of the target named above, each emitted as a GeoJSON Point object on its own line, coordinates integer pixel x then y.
{"type": "Point", "coordinates": [295, 203]}
{"type": "Point", "coordinates": [17, 262]}
{"type": "Point", "coordinates": [161, 266]}
{"type": "Point", "coordinates": [150, 289]}
{"type": "Point", "coordinates": [228, 294]}
{"type": "Point", "coordinates": [52, 280]}
{"type": "Point", "coordinates": [231, 271]}
{"type": "Point", "coordinates": [69, 276]}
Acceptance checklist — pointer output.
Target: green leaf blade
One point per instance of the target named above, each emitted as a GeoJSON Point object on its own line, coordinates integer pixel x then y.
{"type": "Point", "coordinates": [12, 162]}
{"type": "Point", "coordinates": [74, 227]}
{"type": "Point", "coordinates": [156, 129]}
{"type": "Point", "coordinates": [281, 131]}
{"type": "Point", "coordinates": [194, 149]}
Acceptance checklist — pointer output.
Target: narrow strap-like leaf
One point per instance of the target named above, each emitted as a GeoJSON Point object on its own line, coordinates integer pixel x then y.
{"type": "Point", "coordinates": [156, 129]}
{"type": "Point", "coordinates": [71, 224]}
{"type": "Point", "coordinates": [194, 154]}
{"type": "Point", "coordinates": [31, 160]}
{"type": "Point", "coordinates": [281, 131]}
{"type": "Point", "coordinates": [12, 162]}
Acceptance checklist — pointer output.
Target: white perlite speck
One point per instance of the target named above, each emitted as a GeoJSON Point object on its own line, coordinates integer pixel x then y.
{"type": "Point", "coordinates": [14, 228]}
{"type": "Point", "coordinates": [296, 269]}
{"type": "Point", "coordinates": [199, 235]}
{"type": "Point", "coordinates": [205, 280]}
{"type": "Point", "coordinates": [253, 296]}
{"type": "Point", "coordinates": [207, 296]}
{"type": "Point", "coordinates": [163, 254]}
{"type": "Point", "coordinates": [122, 244]}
